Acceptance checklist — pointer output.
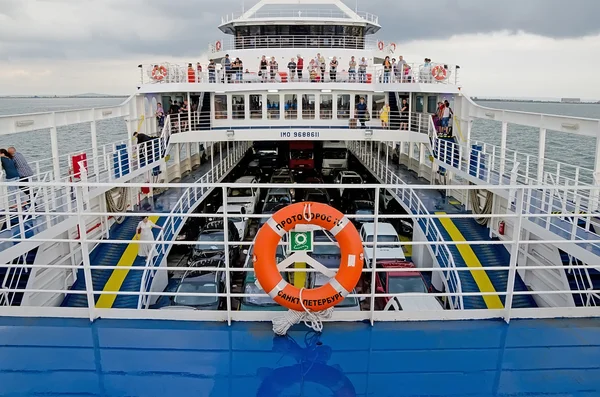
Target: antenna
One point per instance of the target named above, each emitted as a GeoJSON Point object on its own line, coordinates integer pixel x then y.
{"type": "Point", "coordinates": [356, 9]}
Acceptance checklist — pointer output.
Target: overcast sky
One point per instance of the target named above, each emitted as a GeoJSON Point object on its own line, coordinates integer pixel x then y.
{"type": "Point", "coordinates": [510, 48]}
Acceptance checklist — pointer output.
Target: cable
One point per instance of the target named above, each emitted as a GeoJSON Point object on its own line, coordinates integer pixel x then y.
{"type": "Point", "coordinates": [313, 320]}
{"type": "Point", "coordinates": [476, 205]}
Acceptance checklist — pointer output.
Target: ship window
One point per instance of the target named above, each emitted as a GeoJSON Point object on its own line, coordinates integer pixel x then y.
{"type": "Point", "coordinates": [328, 30]}
{"type": "Point", "coordinates": [273, 108]}
{"type": "Point", "coordinates": [284, 30]}
{"type": "Point", "coordinates": [238, 107]}
{"type": "Point", "coordinates": [256, 106]}
{"type": "Point", "coordinates": [432, 104]}
{"type": "Point", "coordinates": [378, 102]}
{"type": "Point", "coordinates": [291, 106]}
{"type": "Point", "coordinates": [270, 30]}
{"type": "Point", "coordinates": [419, 106]}
{"type": "Point", "coordinates": [220, 107]}
{"type": "Point", "coordinates": [308, 106]}
{"type": "Point", "coordinates": [343, 106]}
{"type": "Point", "coordinates": [326, 102]}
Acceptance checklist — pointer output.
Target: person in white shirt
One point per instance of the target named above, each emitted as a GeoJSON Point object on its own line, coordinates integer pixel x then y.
{"type": "Point", "coordinates": [362, 71]}
{"type": "Point", "coordinates": [144, 230]}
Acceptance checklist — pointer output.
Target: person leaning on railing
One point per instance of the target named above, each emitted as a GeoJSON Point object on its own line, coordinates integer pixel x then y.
{"type": "Point", "coordinates": [362, 71]}
{"type": "Point", "coordinates": [212, 71]}
{"type": "Point", "coordinates": [352, 69]}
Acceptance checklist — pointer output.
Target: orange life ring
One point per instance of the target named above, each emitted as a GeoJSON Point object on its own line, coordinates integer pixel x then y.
{"type": "Point", "coordinates": [439, 73]}
{"type": "Point", "coordinates": [393, 46]}
{"type": "Point", "coordinates": [218, 46]}
{"type": "Point", "coordinates": [159, 72]}
{"type": "Point", "coordinates": [265, 264]}
{"type": "Point", "coordinates": [380, 45]}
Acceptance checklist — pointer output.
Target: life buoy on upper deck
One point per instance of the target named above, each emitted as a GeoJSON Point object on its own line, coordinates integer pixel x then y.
{"type": "Point", "coordinates": [393, 47]}
{"type": "Point", "coordinates": [439, 73]}
{"type": "Point", "coordinates": [218, 46]}
{"type": "Point", "coordinates": [380, 45]}
{"type": "Point", "coordinates": [159, 72]}
{"type": "Point", "coordinates": [265, 263]}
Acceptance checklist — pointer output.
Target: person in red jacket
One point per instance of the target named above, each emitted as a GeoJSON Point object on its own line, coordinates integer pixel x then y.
{"type": "Point", "coordinates": [300, 66]}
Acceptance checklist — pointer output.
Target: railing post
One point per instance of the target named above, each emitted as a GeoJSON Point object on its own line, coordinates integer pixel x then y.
{"type": "Point", "coordinates": [514, 254]}
{"type": "Point", "coordinates": [87, 269]}
{"type": "Point", "coordinates": [503, 146]}
{"type": "Point", "coordinates": [95, 145]}
{"type": "Point", "coordinates": [227, 264]}
{"type": "Point", "coordinates": [54, 147]}
{"type": "Point", "coordinates": [374, 255]}
{"type": "Point", "coordinates": [541, 155]}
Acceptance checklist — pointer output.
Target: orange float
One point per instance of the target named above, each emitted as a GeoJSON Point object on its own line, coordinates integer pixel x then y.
{"type": "Point", "coordinates": [265, 264]}
{"type": "Point", "coordinates": [393, 47]}
{"type": "Point", "coordinates": [218, 46]}
{"type": "Point", "coordinates": [380, 45]}
{"type": "Point", "coordinates": [159, 72]}
{"type": "Point", "coordinates": [439, 73]}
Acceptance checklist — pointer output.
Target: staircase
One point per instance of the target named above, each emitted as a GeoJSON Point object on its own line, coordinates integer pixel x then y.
{"type": "Point", "coordinates": [578, 280]}
{"type": "Point", "coordinates": [489, 256]}
{"type": "Point", "coordinates": [133, 281]}
{"type": "Point", "coordinates": [103, 255]}
{"type": "Point", "coordinates": [16, 278]}
{"type": "Point", "coordinates": [394, 111]}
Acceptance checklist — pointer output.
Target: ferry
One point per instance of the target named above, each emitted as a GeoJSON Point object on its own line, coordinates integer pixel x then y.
{"type": "Point", "coordinates": [309, 214]}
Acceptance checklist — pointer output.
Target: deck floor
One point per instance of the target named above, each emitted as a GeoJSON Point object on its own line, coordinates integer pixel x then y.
{"type": "Point", "coordinates": [163, 358]}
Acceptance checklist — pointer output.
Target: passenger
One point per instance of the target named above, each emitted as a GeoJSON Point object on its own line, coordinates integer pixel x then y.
{"type": "Point", "coordinates": [438, 118]}
{"type": "Point", "coordinates": [300, 66]}
{"type": "Point", "coordinates": [361, 112]}
{"type": "Point", "coordinates": [333, 69]}
{"type": "Point", "coordinates": [362, 71]}
{"type": "Point", "coordinates": [144, 231]}
{"type": "Point", "coordinates": [407, 77]}
{"type": "Point", "coordinates": [263, 68]}
{"type": "Point", "coordinates": [226, 68]}
{"type": "Point", "coordinates": [191, 74]}
{"type": "Point", "coordinates": [12, 175]}
{"type": "Point", "coordinates": [323, 66]}
{"type": "Point", "coordinates": [25, 171]}
{"type": "Point", "coordinates": [143, 143]}
{"type": "Point", "coordinates": [404, 115]}
{"type": "Point", "coordinates": [212, 69]}
{"type": "Point", "coordinates": [387, 67]}
{"type": "Point", "coordinates": [393, 77]}
{"type": "Point", "coordinates": [274, 67]}
{"type": "Point", "coordinates": [384, 115]}
{"type": "Point", "coordinates": [292, 69]}
{"type": "Point", "coordinates": [240, 68]}
{"type": "Point", "coordinates": [160, 115]}
{"type": "Point", "coordinates": [352, 69]}
{"type": "Point", "coordinates": [448, 113]}
{"type": "Point", "coordinates": [314, 77]}
{"type": "Point", "coordinates": [400, 69]}
{"type": "Point", "coordinates": [425, 75]}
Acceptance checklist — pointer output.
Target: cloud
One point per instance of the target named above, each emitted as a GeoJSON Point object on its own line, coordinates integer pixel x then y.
{"type": "Point", "coordinates": [508, 45]}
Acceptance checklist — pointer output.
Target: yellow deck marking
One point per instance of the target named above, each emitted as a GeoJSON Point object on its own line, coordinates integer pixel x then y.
{"type": "Point", "coordinates": [480, 277]}
{"type": "Point", "coordinates": [407, 248]}
{"type": "Point", "coordinates": [299, 277]}
{"type": "Point", "coordinates": [115, 282]}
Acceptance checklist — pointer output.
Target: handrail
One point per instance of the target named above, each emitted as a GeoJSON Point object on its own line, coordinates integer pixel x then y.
{"type": "Point", "coordinates": [417, 207]}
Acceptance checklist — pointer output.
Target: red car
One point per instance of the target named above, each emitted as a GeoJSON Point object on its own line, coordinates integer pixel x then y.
{"type": "Point", "coordinates": [397, 282]}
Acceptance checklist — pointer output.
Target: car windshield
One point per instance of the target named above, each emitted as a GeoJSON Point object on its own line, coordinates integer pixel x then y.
{"type": "Point", "coordinates": [364, 212]}
{"type": "Point", "coordinates": [335, 154]}
{"type": "Point", "coordinates": [301, 155]}
{"type": "Point", "coordinates": [278, 198]}
{"type": "Point", "coordinates": [348, 302]}
{"type": "Point", "coordinates": [321, 280]}
{"type": "Point", "coordinates": [240, 192]}
{"type": "Point", "coordinates": [196, 287]}
{"type": "Point", "coordinates": [263, 301]}
{"type": "Point", "coordinates": [330, 249]}
{"type": "Point", "coordinates": [215, 236]}
{"type": "Point", "coordinates": [352, 180]}
{"type": "Point", "coordinates": [233, 219]}
{"type": "Point", "coordinates": [403, 285]}
{"type": "Point", "coordinates": [383, 239]}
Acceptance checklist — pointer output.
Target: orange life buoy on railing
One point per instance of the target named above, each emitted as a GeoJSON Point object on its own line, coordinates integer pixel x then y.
{"type": "Point", "coordinates": [393, 47]}
{"type": "Point", "coordinates": [439, 73]}
{"type": "Point", "coordinates": [380, 45]}
{"type": "Point", "coordinates": [265, 263]}
{"type": "Point", "coordinates": [159, 72]}
{"type": "Point", "coordinates": [218, 46]}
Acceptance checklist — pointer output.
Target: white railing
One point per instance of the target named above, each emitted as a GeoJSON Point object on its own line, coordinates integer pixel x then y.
{"type": "Point", "coordinates": [226, 295]}
{"type": "Point", "coordinates": [299, 14]}
{"type": "Point", "coordinates": [189, 200]}
{"type": "Point", "coordinates": [406, 195]}
{"type": "Point", "coordinates": [373, 74]}
{"type": "Point", "coordinates": [230, 44]}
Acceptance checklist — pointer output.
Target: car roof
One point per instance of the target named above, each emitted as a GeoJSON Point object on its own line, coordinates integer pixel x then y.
{"type": "Point", "coordinates": [246, 179]}
{"type": "Point", "coordinates": [385, 229]}
{"type": "Point", "coordinates": [236, 209]}
{"type": "Point", "coordinates": [418, 303]}
{"type": "Point", "coordinates": [399, 265]}
{"type": "Point", "coordinates": [364, 203]}
{"type": "Point", "coordinates": [278, 191]}
{"type": "Point", "coordinates": [349, 173]}
{"type": "Point", "coordinates": [334, 145]}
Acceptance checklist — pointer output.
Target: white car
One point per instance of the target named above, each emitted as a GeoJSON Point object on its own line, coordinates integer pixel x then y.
{"type": "Point", "coordinates": [236, 215]}
{"type": "Point", "coordinates": [348, 178]}
{"type": "Point", "coordinates": [386, 233]}
{"type": "Point", "coordinates": [349, 304]}
{"type": "Point", "coordinates": [245, 196]}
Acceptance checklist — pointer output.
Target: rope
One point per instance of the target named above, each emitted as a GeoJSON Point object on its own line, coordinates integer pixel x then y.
{"type": "Point", "coordinates": [309, 217]}
{"type": "Point", "coordinates": [313, 320]}
{"type": "Point", "coordinates": [120, 205]}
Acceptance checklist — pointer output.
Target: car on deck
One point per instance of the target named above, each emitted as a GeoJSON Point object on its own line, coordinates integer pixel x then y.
{"type": "Point", "coordinates": [387, 242]}
{"type": "Point", "coordinates": [246, 196]}
{"type": "Point", "coordinates": [361, 207]}
{"type": "Point", "coordinates": [212, 245]}
{"type": "Point", "coordinates": [317, 196]}
{"type": "Point", "coordinates": [276, 199]}
{"type": "Point", "coordinates": [400, 281]}
{"type": "Point", "coordinates": [236, 214]}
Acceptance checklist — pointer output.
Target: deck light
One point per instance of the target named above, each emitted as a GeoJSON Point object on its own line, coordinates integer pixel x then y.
{"type": "Point", "coordinates": [369, 134]}
{"type": "Point", "coordinates": [325, 91]}
{"type": "Point", "coordinates": [230, 134]}
{"type": "Point", "coordinates": [273, 91]}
